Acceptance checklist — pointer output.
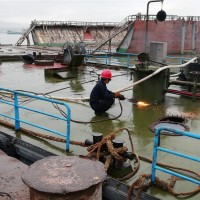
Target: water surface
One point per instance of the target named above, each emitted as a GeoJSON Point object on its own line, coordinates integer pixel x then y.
{"type": "Point", "coordinates": [17, 76]}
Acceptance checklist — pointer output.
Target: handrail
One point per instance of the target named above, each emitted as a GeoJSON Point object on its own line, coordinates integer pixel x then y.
{"type": "Point", "coordinates": [158, 148]}
{"type": "Point", "coordinates": [110, 58]}
{"type": "Point", "coordinates": [126, 59]}
{"type": "Point", "coordinates": [73, 23]}
{"type": "Point", "coordinates": [134, 17]}
{"type": "Point", "coordinates": [17, 108]}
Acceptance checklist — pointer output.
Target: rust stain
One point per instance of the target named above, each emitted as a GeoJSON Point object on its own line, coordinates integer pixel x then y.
{"type": "Point", "coordinates": [62, 174]}
{"type": "Point", "coordinates": [10, 178]}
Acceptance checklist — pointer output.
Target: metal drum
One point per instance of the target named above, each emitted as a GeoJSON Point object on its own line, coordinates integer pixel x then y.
{"type": "Point", "coordinates": [153, 89]}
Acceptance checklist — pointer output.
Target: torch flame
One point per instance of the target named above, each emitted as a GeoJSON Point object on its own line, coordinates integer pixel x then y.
{"type": "Point", "coordinates": [142, 104]}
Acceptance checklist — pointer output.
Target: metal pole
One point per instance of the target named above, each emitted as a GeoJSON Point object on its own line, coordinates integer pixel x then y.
{"type": "Point", "coordinates": [16, 106]}
{"type": "Point", "coordinates": [183, 37]}
{"type": "Point", "coordinates": [193, 35]}
{"type": "Point", "coordinates": [147, 19]}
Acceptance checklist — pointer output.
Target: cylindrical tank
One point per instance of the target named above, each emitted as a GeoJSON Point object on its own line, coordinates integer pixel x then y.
{"type": "Point", "coordinates": [153, 89]}
{"type": "Point", "coordinates": [65, 177]}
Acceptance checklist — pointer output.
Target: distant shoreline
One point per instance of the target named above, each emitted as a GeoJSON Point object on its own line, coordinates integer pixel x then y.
{"type": "Point", "coordinates": [14, 32]}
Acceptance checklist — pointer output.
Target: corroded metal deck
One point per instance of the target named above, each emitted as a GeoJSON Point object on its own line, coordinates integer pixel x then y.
{"type": "Point", "coordinates": [10, 53]}
{"type": "Point", "coordinates": [10, 176]}
{"type": "Point", "coordinates": [12, 185]}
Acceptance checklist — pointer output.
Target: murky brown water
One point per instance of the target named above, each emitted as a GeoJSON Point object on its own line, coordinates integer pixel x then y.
{"type": "Point", "coordinates": [16, 76]}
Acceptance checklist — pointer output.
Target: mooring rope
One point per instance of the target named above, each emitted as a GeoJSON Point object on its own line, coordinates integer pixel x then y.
{"type": "Point", "coordinates": [40, 135]}
{"type": "Point", "coordinates": [143, 183]}
{"type": "Point", "coordinates": [95, 151]}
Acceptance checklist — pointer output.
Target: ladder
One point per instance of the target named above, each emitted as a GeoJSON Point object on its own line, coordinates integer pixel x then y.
{"type": "Point", "coordinates": [25, 35]}
{"type": "Point", "coordinates": [123, 25]}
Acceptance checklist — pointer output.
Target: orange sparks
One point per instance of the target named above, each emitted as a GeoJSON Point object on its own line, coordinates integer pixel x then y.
{"type": "Point", "coordinates": [142, 104]}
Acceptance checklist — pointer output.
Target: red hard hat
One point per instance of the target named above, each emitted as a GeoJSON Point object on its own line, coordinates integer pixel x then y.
{"type": "Point", "coordinates": [106, 74]}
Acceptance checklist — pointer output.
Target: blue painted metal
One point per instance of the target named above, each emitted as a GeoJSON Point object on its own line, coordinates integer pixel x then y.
{"type": "Point", "coordinates": [126, 59]}
{"type": "Point", "coordinates": [178, 154]}
{"type": "Point", "coordinates": [106, 59]}
{"type": "Point", "coordinates": [18, 107]}
{"type": "Point", "coordinates": [17, 121]}
{"type": "Point", "coordinates": [157, 148]}
{"type": "Point", "coordinates": [103, 56]}
{"type": "Point", "coordinates": [178, 175]}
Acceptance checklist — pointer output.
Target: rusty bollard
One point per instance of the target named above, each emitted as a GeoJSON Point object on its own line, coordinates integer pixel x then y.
{"type": "Point", "coordinates": [65, 177]}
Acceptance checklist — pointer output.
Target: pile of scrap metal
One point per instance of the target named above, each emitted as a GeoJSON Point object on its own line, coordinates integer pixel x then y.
{"type": "Point", "coordinates": [38, 59]}
{"type": "Point", "coordinates": [71, 55]}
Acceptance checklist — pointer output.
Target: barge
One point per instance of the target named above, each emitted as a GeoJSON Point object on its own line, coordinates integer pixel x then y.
{"type": "Point", "coordinates": [180, 32]}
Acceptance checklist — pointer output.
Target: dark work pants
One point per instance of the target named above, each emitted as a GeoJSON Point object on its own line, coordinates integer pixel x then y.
{"type": "Point", "coordinates": [103, 105]}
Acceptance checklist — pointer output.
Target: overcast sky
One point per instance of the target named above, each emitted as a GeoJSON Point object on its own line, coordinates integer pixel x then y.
{"type": "Point", "coordinates": [25, 11]}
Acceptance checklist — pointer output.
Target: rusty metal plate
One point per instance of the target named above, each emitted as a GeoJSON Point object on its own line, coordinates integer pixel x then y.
{"type": "Point", "coordinates": [64, 174]}
{"type": "Point", "coordinates": [10, 178]}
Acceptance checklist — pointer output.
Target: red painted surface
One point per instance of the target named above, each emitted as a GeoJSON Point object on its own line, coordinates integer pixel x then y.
{"type": "Point", "coordinates": [197, 36]}
{"type": "Point", "coordinates": [88, 36]}
{"type": "Point", "coordinates": [188, 36]}
{"type": "Point", "coordinates": [184, 93]}
{"type": "Point", "coordinates": [56, 65]}
{"type": "Point", "coordinates": [167, 31]}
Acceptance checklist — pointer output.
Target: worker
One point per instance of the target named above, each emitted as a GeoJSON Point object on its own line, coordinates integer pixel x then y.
{"type": "Point", "coordinates": [101, 99]}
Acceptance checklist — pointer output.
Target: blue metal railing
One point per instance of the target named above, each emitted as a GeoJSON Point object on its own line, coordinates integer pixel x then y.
{"type": "Point", "coordinates": [125, 59]}
{"type": "Point", "coordinates": [18, 120]}
{"type": "Point", "coordinates": [158, 148]}
{"type": "Point", "coordinates": [112, 58]}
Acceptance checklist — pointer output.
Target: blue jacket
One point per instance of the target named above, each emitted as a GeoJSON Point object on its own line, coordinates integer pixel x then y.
{"type": "Point", "coordinates": [100, 92]}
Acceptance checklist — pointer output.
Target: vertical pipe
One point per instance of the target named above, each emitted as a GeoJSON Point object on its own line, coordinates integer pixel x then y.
{"type": "Point", "coordinates": [109, 46]}
{"type": "Point", "coordinates": [146, 31]}
{"type": "Point", "coordinates": [128, 61]}
{"type": "Point", "coordinates": [106, 61]}
{"type": "Point", "coordinates": [68, 128]}
{"type": "Point", "coordinates": [86, 56]}
{"type": "Point", "coordinates": [154, 160]}
{"type": "Point", "coordinates": [195, 88]}
{"type": "Point", "coordinates": [193, 35]}
{"type": "Point", "coordinates": [17, 121]}
{"type": "Point", "coordinates": [147, 20]}
{"type": "Point", "coordinates": [183, 37]}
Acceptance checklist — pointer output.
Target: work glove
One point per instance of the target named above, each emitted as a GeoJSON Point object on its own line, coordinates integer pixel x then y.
{"type": "Point", "coordinates": [121, 97]}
